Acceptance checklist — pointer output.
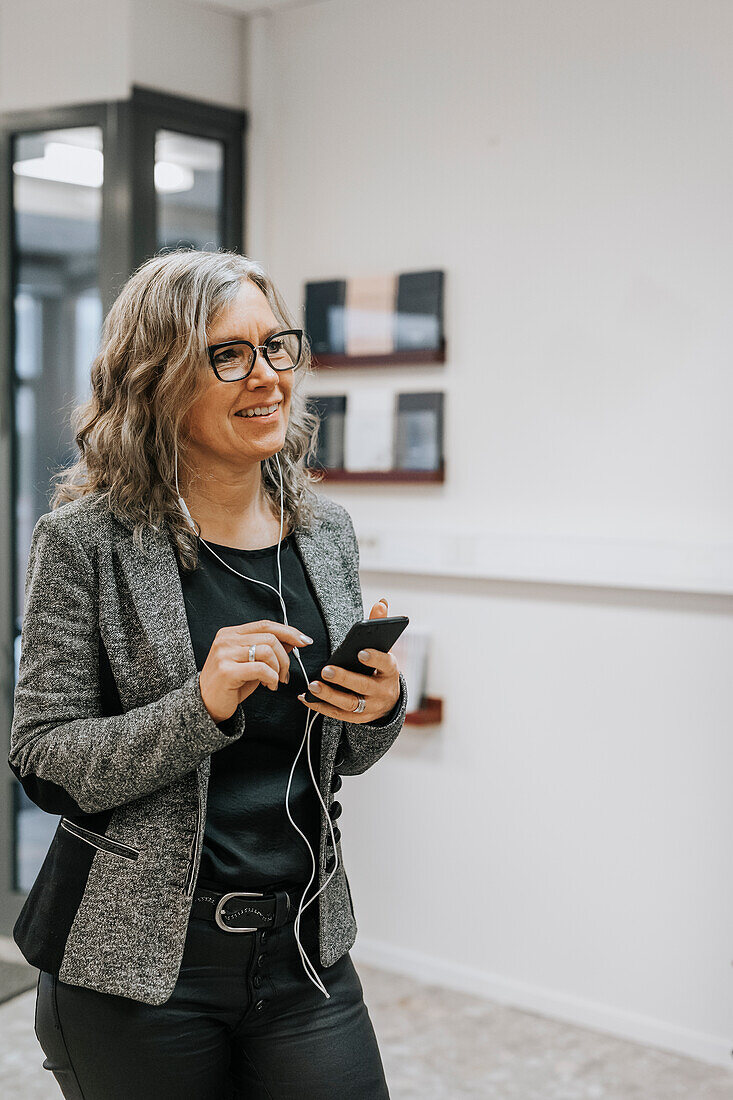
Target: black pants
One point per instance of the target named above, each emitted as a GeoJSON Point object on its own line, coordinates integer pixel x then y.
{"type": "Point", "coordinates": [244, 1022]}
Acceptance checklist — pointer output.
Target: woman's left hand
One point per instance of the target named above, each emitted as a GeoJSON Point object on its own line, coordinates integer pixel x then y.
{"type": "Point", "coordinates": [381, 689]}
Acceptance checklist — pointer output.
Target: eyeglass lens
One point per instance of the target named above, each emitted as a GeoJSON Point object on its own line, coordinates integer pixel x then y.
{"type": "Point", "coordinates": [236, 361]}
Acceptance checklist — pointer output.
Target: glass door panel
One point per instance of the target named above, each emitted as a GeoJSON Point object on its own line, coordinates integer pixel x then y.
{"type": "Point", "coordinates": [57, 202]}
{"type": "Point", "coordinates": [189, 189]}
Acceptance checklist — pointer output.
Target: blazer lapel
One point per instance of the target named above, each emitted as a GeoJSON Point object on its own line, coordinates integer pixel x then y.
{"type": "Point", "coordinates": [152, 584]}
{"type": "Point", "coordinates": [324, 570]}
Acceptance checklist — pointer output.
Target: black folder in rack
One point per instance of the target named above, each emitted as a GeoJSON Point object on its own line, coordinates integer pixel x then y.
{"type": "Point", "coordinates": [331, 409]}
{"type": "Point", "coordinates": [419, 310]}
{"type": "Point", "coordinates": [324, 316]}
{"type": "Point", "coordinates": [419, 431]}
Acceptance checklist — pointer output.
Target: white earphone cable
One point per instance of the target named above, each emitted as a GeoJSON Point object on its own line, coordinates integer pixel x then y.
{"type": "Point", "coordinates": [310, 718]}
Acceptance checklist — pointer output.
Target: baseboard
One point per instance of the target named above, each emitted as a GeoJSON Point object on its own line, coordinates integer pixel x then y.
{"type": "Point", "coordinates": [712, 1049]}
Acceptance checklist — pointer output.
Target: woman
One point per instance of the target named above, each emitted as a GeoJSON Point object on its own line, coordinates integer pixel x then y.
{"type": "Point", "coordinates": [151, 621]}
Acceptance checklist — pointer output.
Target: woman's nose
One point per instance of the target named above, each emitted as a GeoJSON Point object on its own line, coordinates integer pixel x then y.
{"type": "Point", "coordinates": [262, 366]}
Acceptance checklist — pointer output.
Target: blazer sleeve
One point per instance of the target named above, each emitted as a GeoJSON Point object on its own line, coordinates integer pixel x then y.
{"type": "Point", "coordinates": [363, 744]}
{"type": "Point", "coordinates": [67, 753]}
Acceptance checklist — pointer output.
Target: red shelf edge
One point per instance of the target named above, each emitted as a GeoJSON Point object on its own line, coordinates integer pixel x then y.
{"type": "Point", "coordinates": [405, 357]}
{"type": "Point", "coordinates": [332, 473]}
{"type": "Point", "coordinates": [429, 714]}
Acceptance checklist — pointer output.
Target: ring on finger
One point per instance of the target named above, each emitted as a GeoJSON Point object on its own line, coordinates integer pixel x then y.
{"type": "Point", "coordinates": [252, 650]}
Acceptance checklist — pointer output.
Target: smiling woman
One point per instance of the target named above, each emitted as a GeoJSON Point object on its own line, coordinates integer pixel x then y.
{"type": "Point", "coordinates": [160, 708]}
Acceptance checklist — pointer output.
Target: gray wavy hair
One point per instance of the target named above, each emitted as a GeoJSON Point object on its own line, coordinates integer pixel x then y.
{"type": "Point", "coordinates": [151, 366]}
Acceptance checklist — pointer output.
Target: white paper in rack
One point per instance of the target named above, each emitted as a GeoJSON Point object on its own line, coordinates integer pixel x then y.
{"type": "Point", "coordinates": [369, 435]}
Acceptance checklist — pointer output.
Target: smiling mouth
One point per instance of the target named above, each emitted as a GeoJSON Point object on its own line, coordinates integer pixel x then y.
{"type": "Point", "coordinates": [245, 414]}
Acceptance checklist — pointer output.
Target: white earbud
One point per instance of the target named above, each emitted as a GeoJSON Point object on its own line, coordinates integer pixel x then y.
{"type": "Point", "coordinates": [310, 719]}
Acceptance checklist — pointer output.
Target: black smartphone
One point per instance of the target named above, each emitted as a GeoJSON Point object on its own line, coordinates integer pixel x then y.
{"type": "Point", "coordinates": [378, 634]}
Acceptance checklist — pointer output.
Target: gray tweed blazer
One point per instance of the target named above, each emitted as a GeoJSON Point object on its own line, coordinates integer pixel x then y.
{"type": "Point", "coordinates": [104, 621]}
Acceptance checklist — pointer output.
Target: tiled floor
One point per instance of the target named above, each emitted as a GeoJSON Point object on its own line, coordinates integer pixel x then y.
{"type": "Point", "coordinates": [440, 1045]}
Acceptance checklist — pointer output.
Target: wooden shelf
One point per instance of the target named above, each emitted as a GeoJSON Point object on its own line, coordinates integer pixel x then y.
{"type": "Point", "coordinates": [332, 473]}
{"type": "Point", "coordinates": [429, 714]}
{"type": "Point", "coordinates": [406, 357]}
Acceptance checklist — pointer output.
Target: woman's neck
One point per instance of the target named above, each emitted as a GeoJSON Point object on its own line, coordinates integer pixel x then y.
{"type": "Point", "coordinates": [232, 515]}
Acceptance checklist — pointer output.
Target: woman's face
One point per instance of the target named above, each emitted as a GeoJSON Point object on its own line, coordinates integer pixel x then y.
{"type": "Point", "coordinates": [215, 431]}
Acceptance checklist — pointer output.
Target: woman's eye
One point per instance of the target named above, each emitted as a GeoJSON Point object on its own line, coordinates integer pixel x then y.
{"type": "Point", "coordinates": [276, 346]}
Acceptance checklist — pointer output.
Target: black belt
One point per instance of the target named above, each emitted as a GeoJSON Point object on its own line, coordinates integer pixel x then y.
{"type": "Point", "coordinates": [250, 912]}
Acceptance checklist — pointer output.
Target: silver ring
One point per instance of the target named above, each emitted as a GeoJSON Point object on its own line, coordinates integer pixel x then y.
{"type": "Point", "coordinates": [361, 705]}
{"type": "Point", "coordinates": [252, 649]}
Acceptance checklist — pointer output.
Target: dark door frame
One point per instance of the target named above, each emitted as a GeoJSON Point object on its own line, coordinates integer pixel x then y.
{"type": "Point", "coordinates": [127, 238]}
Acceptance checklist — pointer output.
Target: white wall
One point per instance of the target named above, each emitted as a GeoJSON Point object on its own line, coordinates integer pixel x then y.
{"type": "Point", "coordinates": [562, 839]}
{"type": "Point", "coordinates": [80, 51]}
{"type": "Point", "coordinates": [45, 61]}
{"type": "Point", "coordinates": [189, 50]}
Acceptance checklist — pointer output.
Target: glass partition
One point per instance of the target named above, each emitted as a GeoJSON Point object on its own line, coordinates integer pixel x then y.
{"type": "Point", "coordinates": [57, 207]}
{"type": "Point", "coordinates": [189, 189]}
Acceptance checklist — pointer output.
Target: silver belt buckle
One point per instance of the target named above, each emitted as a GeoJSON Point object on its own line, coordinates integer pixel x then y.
{"type": "Point", "coordinates": [222, 902]}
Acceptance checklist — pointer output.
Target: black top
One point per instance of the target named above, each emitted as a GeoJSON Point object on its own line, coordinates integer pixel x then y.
{"type": "Point", "coordinates": [249, 841]}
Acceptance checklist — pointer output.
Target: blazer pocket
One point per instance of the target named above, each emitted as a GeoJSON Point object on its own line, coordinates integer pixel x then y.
{"type": "Point", "coordinates": [97, 840]}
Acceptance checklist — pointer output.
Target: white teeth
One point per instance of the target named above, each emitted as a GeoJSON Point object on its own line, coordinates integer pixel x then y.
{"type": "Point", "coordinates": [258, 411]}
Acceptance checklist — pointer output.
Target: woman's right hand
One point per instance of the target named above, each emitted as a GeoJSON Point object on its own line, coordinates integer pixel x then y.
{"type": "Point", "coordinates": [228, 675]}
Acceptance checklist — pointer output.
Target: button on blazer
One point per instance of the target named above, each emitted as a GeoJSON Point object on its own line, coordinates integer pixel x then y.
{"type": "Point", "coordinates": [110, 732]}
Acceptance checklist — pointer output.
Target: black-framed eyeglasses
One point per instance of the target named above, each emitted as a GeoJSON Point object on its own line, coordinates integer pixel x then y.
{"type": "Point", "coordinates": [233, 360]}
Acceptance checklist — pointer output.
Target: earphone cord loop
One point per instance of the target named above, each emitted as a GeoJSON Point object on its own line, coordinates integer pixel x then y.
{"type": "Point", "coordinates": [310, 719]}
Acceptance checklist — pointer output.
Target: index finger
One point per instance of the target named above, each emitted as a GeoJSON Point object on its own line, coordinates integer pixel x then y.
{"type": "Point", "coordinates": [288, 635]}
